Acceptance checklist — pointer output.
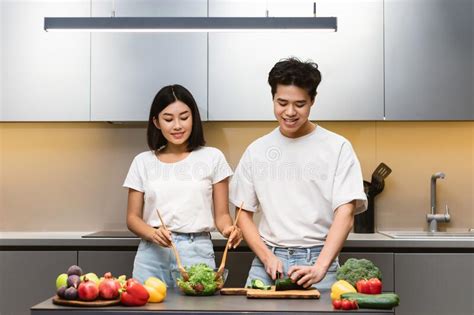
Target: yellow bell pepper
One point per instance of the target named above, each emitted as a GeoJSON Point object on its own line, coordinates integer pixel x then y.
{"type": "Point", "coordinates": [340, 287]}
{"type": "Point", "coordinates": [156, 289]}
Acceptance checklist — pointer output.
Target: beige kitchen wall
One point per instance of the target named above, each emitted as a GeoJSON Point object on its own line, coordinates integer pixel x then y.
{"type": "Point", "coordinates": [68, 176]}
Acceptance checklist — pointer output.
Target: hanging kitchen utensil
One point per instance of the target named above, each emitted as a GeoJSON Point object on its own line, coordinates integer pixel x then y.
{"type": "Point", "coordinates": [181, 269]}
{"type": "Point", "coordinates": [224, 255]}
{"type": "Point", "coordinates": [378, 176]}
{"type": "Point", "coordinates": [364, 222]}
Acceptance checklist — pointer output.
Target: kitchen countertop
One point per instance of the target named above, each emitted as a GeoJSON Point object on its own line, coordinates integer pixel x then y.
{"type": "Point", "coordinates": [75, 239]}
{"type": "Point", "coordinates": [176, 303]}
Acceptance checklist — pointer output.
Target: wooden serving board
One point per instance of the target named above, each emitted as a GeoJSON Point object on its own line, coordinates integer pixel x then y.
{"type": "Point", "coordinates": [57, 300]}
{"type": "Point", "coordinates": [234, 291]}
{"type": "Point", "coordinates": [288, 294]}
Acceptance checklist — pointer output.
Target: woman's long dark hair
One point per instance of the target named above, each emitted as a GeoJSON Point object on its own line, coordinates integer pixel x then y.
{"type": "Point", "coordinates": [166, 96]}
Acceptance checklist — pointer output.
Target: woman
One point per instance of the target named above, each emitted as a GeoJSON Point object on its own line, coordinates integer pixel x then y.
{"type": "Point", "coordinates": [186, 181]}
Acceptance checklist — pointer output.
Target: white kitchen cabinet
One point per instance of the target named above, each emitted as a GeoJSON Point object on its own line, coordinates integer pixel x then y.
{"type": "Point", "coordinates": [128, 69]}
{"type": "Point", "coordinates": [44, 75]}
{"type": "Point", "coordinates": [1, 62]}
{"type": "Point", "coordinates": [429, 59]}
{"type": "Point", "coordinates": [350, 60]}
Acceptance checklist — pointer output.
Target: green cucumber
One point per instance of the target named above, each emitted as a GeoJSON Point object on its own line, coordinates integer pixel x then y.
{"type": "Point", "coordinates": [381, 301]}
{"type": "Point", "coordinates": [286, 284]}
{"type": "Point", "coordinates": [258, 284]}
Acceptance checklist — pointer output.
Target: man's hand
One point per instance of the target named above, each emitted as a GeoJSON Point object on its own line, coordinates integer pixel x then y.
{"type": "Point", "coordinates": [162, 237]}
{"type": "Point", "coordinates": [273, 265]}
{"type": "Point", "coordinates": [306, 275]}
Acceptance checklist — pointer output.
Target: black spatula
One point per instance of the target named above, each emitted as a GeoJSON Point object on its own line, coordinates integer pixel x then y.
{"type": "Point", "coordinates": [378, 176]}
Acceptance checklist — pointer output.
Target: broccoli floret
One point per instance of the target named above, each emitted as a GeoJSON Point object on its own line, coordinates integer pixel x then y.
{"type": "Point", "coordinates": [355, 269]}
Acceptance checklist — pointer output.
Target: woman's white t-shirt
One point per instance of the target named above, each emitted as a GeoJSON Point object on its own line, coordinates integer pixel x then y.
{"type": "Point", "coordinates": [182, 191]}
{"type": "Point", "coordinates": [298, 183]}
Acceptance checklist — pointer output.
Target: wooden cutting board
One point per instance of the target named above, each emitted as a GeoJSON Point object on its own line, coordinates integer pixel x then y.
{"type": "Point", "coordinates": [272, 294]}
{"type": "Point", "coordinates": [57, 300]}
{"type": "Point", "coordinates": [288, 294]}
{"type": "Point", "coordinates": [234, 291]}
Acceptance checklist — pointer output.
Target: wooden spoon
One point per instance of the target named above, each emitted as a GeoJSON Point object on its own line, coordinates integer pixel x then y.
{"type": "Point", "coordinates": [220, 271]}
{"type": "Point", "coordinates": [181, 269]}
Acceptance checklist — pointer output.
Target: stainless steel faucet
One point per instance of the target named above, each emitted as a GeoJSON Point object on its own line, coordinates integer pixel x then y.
{"type": "Point", "coordinates": [433, 217]}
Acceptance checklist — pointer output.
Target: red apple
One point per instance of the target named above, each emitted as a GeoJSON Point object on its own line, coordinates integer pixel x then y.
{"type": "Point", "coordinates": [88, 290]}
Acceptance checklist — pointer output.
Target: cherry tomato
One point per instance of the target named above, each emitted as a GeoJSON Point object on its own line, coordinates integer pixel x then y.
{"type": "Point", "coordinates": [337, 304]}
{"type": "Point", "coordinates": [354, 304]}
{"type": "Point", "coordinates": [346, 304]}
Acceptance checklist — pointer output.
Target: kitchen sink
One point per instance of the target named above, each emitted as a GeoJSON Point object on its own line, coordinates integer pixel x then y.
{"type": "Point", "coordinates": [428, 235]}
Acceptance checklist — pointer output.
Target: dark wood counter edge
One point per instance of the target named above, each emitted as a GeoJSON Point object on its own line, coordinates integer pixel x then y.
{"type": "Point", "coordinates": [143, 312]}
{"type": "Point", "coordinates": [235, 304]}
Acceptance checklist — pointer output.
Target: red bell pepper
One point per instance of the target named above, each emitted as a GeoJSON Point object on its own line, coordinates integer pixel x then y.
{"type": "Point", "coordinates": [362, 286]}
{"type": "Point", "coordinates": [134, 294]}
{"type": "Point", "coordinates": [371, 286]}
{"type": "Point", "coordinates": [375, 286]}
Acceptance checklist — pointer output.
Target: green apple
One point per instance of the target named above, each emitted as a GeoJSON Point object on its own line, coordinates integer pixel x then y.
{"type": "Point", "coordinates": [92, 277]}
{"type": "Point", "coordinates": [122, 280]}
{"type": "Point", "coordinates": [61, 281]}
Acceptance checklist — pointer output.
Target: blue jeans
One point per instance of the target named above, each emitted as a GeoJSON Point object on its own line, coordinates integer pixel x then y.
{"type": "Point", "coordinates": [157, 261]}
{"type": "Point", "coordinates": [294, 257]}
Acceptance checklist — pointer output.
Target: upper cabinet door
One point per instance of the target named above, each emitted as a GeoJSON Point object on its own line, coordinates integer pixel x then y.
{"type": "Point", "coordinates": [350, 60]}
{"type": "Point", "coordinates": [429, 61]}
{"type": "Point", "coordinates": [128, 69]}
{"type": "Point", "coordinates": [44, 75]}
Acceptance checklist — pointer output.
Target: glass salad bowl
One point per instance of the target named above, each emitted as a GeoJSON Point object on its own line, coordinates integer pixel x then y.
{"type": "Point", "coordinates": [202, 280]}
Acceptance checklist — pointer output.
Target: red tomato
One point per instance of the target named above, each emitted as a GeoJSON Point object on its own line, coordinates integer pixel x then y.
{"type": "Point", "coordinates": [346, 304]}
{"type": "Point", "coordinates": [337, 304]}
{"type": "Point", "coordinates": [354, 304]}
{"type": "Point", "coordinates": [375, 286]}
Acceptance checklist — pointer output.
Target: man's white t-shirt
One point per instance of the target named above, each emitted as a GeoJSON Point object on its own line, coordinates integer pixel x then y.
{"type": "Point", "coordinates": [298, 183]}
{"type": "Point", "coordinates": [182, 191]}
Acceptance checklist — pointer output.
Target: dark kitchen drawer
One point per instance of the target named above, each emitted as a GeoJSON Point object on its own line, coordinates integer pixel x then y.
{"type": "Point", "coordinates": [100, 262]}
{"type": "Point", "coordinates": [29, 277]}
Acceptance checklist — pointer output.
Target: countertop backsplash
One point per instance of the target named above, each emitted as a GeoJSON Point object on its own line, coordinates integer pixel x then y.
{"type": "Point", "coordinates": [68, 176]}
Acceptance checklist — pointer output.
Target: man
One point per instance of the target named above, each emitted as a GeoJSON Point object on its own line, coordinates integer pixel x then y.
{"type": "Point", "coordinates": [306, 181]}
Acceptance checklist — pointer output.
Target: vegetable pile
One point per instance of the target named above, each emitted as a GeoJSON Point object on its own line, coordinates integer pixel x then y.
{"type": "Point", "coordinates": [354, 270]}
{"type": "Point", "coordinates": [201, 281]}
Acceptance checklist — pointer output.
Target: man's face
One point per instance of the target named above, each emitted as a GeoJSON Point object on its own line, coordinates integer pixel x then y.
{"type": "Point", "coordinates": [291, 106]}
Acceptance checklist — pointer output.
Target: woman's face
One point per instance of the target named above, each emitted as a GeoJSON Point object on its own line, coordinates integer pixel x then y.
{"type": "Point", "coordinates": [175, 122]}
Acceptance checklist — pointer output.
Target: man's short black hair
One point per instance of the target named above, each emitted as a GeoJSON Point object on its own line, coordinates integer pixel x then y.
{"type": "Point", "coordinates": [166, 96]}
{"type": "Point", "coordinates": [292, 71]}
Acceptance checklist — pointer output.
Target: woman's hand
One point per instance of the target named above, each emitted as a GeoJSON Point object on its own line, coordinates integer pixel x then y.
{"type": "Point", "coordinates": [161, 236]}
{"type": "Point", "coordinates": [234, 234]}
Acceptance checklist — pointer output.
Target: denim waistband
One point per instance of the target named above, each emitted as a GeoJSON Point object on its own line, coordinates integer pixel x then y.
{"type": "Point", "coordinates": [296, 250]}
{"type": "Point", "coordinates": [190, 236]}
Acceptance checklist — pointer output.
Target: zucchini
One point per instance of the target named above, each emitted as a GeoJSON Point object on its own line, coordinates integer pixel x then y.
{"type": "Point", "coordinates": [259, 284]}
{"type": "Point", "coordinates": [286, 284]}
{"type": "Point", "coordinates": [381, 301]}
